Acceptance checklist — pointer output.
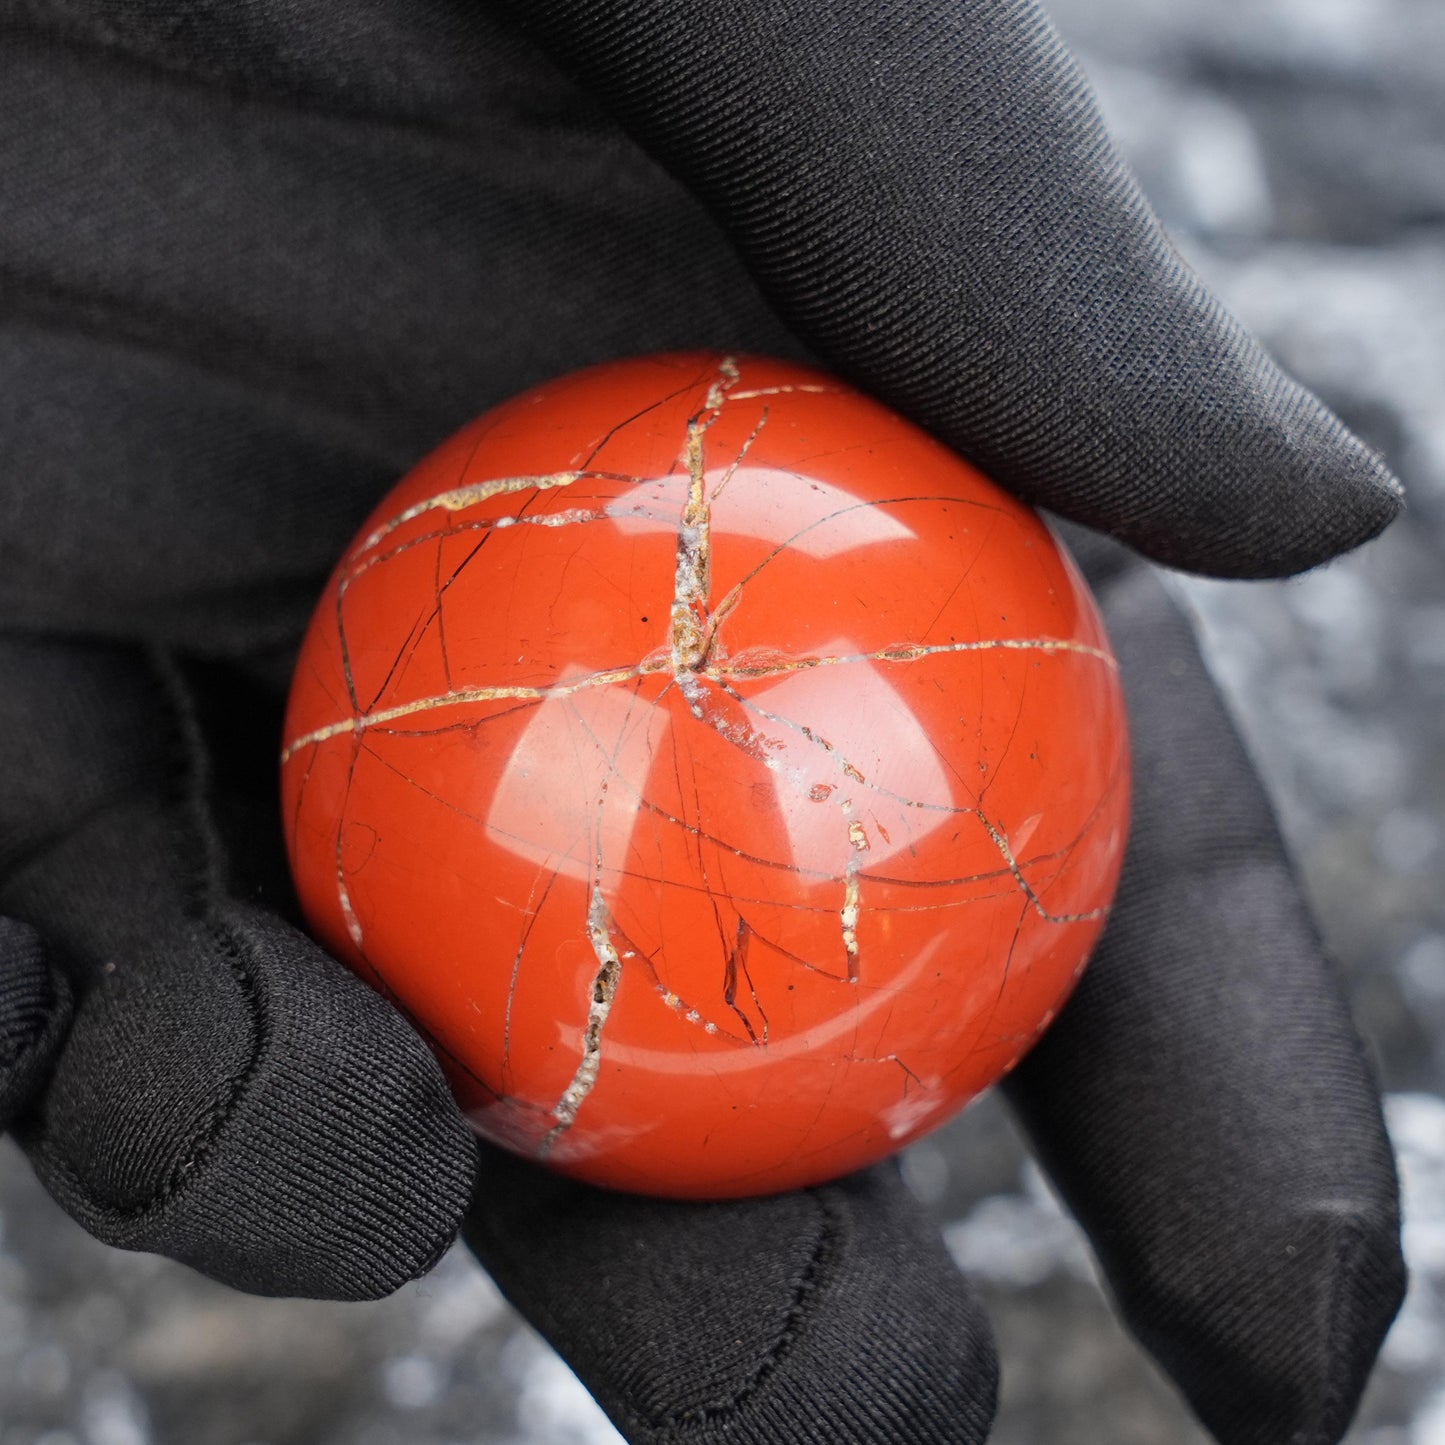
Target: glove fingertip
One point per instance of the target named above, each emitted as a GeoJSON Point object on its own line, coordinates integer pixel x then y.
{"type": "Point", "coordinates": [364, 1157]}
{"type": "Point", "coordinates": [1280, 1346]}
{"type": "Point", "coordinates": [832, 1313]}
{"type": "Point", "coordinates": [1322, 496]}
{"type": "Point", "coordinates": [238, 1101]}
{"type": "Point", "coordinates": [1371, 1282]}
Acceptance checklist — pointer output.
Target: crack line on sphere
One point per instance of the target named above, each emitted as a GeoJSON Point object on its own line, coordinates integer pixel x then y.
{"type": "Point", "coordinates": [855, 507]}
{"type": "Point", "coordinates": [680, 1006]}
{"type": "Point", "coordinates": [906, 652]}
{"type": "Point", "coordinates": [458, 499]}
{"type": "Point", "coordinates": [633, 950]}
{"type": "Point", "coordinates": [960, 881]}
{"type": "Point", "coordinates": [604, 990]}
{"type": "Point", "coordinates": [532, 914]}
{"type": "Point", "coordinates": [670, 999]}
{"type": "Point", "coordinates": [693, 576]}
{"type": "Point", "coordinates": [1006, 853]}
{"type": "Point", "coordinates": [908, 1074]}
{"type": "Point", "coordinates": [1010, 869]}
{"type": "Point", "coordinates": [784, 391]}
{"type": "Point", "coordinates": [997, 837]}
{"type": "Point", "coordinates": [716, 672]}
{"type": "Point", "coordinates": [729, 952]}
{"type": "Point", "coordinates": [651, 407]}
{"type": "Point", "coordinates": [852, 901]}
{"type": "Point", "coordinates": [573, 516]}
{"type": "Point", "coordinates": [440, 590]}
{"type": "Point", "coordinates": [343, 890]}
{"type": "Point", "coordinates": [468, 695]}
{"type": "Point", "coordinates": [598, 926]}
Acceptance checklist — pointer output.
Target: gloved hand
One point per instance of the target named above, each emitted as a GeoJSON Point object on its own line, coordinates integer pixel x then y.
{"type": "Point", "coordinates": [263, 255]}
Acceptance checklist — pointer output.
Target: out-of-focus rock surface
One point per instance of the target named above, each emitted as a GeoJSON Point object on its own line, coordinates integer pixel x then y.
{"type": "Point", "coordinates": [1297, 150]}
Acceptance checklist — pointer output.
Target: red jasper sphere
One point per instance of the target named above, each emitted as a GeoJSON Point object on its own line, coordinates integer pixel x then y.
{"type": "Point", "coordinates": [726, 778]}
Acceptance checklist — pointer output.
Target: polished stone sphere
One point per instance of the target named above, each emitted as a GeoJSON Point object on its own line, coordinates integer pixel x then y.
{"type": "Point", "coordinates": [726, 778]}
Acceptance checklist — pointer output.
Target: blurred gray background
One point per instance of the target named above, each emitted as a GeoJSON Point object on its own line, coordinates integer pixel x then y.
{"type": "Point", "coordinates": [1297, 150]}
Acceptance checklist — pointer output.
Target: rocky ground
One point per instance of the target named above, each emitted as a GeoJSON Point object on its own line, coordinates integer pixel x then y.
{"type": "Point", "coordinates": [1297, 149]}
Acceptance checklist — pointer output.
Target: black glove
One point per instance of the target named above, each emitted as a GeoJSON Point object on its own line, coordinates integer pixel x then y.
{"type": "Point", "coordinates": [260, 257]}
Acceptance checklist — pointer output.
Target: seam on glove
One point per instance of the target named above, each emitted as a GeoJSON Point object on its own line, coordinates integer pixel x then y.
{"type": "Point", "coordinates": [205, 1135]}
{"type": "Point", "coordinates": [26, 1048]}
{"type": "Point", "coordinates": [25, 1065]}
{"type": "Point", "coordinates": [820, 1257]}
{"type": "Point", "coordinates": [626, 1412]}
{"type": "Point", "coordinates": [203, 886]}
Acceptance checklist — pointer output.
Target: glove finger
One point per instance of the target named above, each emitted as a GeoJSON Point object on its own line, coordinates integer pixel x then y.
{"type": "Point", "coordinates": [831, 1314]}
{"type": "Point", "coordinates": [227, 1094]}
{"type": "Point", "coordinates": [1203, 1101]}
{"type": "Point", "coordinates": [34, 1011]}
{"type": "Point", "coordinates": [926, 193]}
